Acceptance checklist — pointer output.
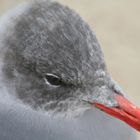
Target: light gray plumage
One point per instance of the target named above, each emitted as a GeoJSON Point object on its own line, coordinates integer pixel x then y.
{"type": "Point", "coordinates": [52, 62]}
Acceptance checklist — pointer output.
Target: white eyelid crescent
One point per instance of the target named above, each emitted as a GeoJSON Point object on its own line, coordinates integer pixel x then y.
{"type": "Point", "coordinates": [46, 81]}
{"type": "Point", "coordinates": [50, 74]}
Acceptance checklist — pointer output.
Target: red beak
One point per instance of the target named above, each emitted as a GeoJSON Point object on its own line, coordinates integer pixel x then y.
{"type": "Point", "coordinates": [126, 111]}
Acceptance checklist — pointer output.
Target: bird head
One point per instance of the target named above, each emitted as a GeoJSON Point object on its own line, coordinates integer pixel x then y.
{"type": "Point", "coordinates": [55, 64]}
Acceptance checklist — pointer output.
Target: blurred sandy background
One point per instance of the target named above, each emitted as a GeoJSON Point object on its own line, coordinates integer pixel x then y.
{"type": "Point", "coordinates": [117, 26]}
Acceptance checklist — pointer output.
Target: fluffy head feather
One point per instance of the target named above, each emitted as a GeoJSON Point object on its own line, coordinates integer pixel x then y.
{"type": "Point", "coordinates": [48, 38]}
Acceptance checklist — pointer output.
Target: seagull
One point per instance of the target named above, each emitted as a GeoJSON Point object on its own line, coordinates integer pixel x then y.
{"type": "Point", "coordinates": [54, 83]}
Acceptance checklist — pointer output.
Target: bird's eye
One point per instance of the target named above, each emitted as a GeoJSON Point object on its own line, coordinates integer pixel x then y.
{"type": "Point", "coordinates": [53, 80]}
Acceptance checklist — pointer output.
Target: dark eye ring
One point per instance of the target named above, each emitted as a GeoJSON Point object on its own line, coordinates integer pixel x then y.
{"type": "Point", "coordinates": [52, 80]}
